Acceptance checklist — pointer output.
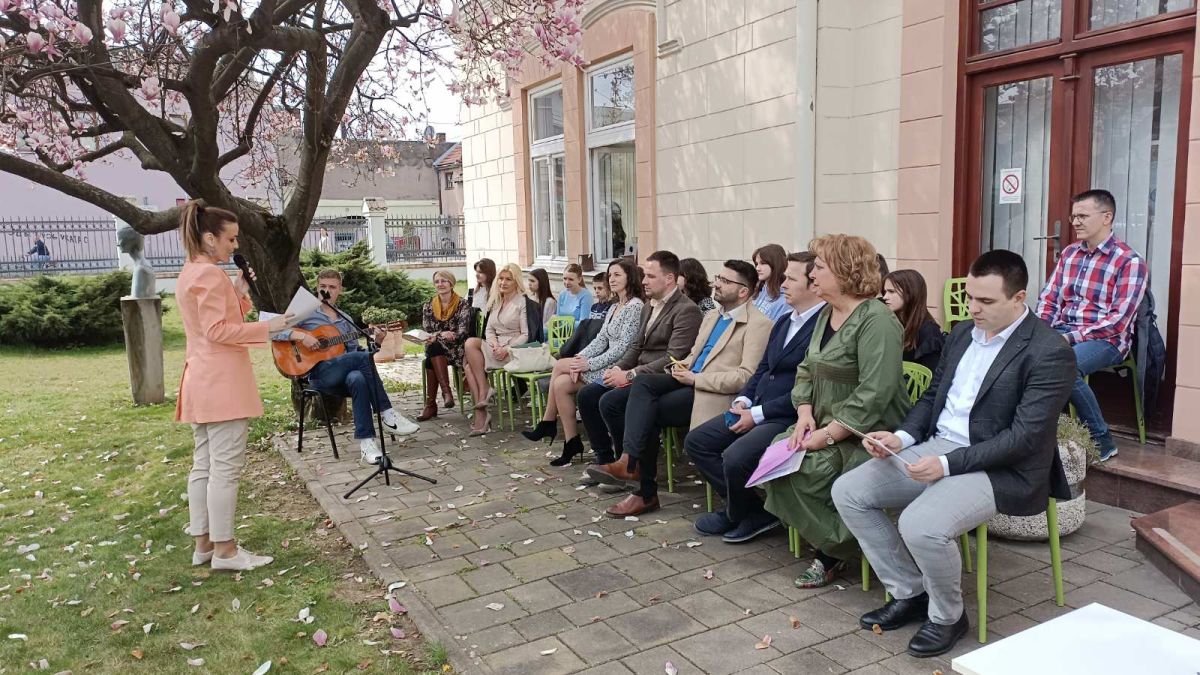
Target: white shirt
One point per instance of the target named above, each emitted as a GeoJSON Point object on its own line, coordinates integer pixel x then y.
{"type": "Point", "coordinates": [798, 319]}
{"type": "Point", "coordinates": [954, 423]}
{"type": "Point", "coordinates": [656, 307]}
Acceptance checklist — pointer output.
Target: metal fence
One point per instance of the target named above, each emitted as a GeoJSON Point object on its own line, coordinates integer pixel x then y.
{"type": "Point", "coordinates": [31, 246]}
{"type": "Point", "coordinates": [334, 234]}
{"type": "Point", "coordinates": [425, 239]}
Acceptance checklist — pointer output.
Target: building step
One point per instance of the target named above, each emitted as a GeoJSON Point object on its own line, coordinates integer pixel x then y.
{"type": "Point", "coordinates": [1143, 478]}
{"type": "Point", "coordinates": [1170, 540]}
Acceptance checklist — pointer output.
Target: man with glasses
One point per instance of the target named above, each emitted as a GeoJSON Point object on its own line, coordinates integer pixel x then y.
{"type": "Point", "coordinates": [1092, 299]}
{"type": "Point", "coordinates": [726, 353]}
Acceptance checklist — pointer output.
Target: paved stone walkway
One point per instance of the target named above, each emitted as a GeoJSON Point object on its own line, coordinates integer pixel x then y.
{"type": "Point", "coordinates": [514, 568]}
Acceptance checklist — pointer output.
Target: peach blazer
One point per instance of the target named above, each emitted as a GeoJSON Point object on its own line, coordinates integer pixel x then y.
{"type": "Point", "coordinates": [218, 380]}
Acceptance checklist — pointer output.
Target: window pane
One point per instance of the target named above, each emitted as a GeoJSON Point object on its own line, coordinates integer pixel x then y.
{"type": "Point", "coordinates": [1019, 24]}
{"type": "Point", "coordinates": [1016, 145]}
{"type": "Point", "coordinates": [615, 208]}
{"type": "Point", "coordinates": [1135, 130]}
{"type": "Point", "coordinates": [548, 115]}
{"type": "Point", "coordinates": [541, 206]}
{"type": "Point", "coordinates": [1112, 12]}
{"type": "Point", "coordinates": [612, 97]}
{"type": "Point", "coordinates": [558, 234]}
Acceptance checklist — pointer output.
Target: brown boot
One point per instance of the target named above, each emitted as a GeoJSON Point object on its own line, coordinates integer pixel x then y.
{"type": "Point", "coordinates": [430, 410]}
{"type": "Point", "coordinates": [633, 505]}
{"type": "Point", "coordinates": [440, 366]}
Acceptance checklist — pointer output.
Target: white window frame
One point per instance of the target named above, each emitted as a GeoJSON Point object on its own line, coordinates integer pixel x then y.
{"type": "Point", "coordinates": [612, 134]}
{"type": "Point", "coordinates": [548, 149]}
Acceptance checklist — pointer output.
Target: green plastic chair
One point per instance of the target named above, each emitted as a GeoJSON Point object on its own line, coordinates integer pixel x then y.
{"type": "Point", "coordinates": [672, 443]}
{"type": "Point", "coordinates": [502, 383]}
{"type": "Point", "coordinates": [536, 400]}
{"type": "Point", "coordinates": [559, 332]}
{"type": "Point", "coordinates": [954, 302]}
{"type": "Point", "coordinates": [1129, 364]}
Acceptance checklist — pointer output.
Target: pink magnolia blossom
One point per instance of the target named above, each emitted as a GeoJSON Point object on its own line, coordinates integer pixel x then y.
{"type": "Point", "coordinates": [116, 28]}
{"type": "Point", "coordinates": [81, 33]}
{"type": "Point", "coordinates": [151, 88]}
{"type": "Point", "coordinates": [35, 42]}
{"type": "Point", "coordinates": [171, 21]}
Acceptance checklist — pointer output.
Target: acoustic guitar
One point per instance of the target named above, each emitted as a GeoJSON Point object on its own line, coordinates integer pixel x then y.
{"type": "Point", "coordinates": [293, 359]}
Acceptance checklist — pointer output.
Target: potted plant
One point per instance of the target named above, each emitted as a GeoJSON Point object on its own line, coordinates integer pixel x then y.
{"type": "Point", "coordinates": [1076, 450]}
{"type": "Point", "coordinates": [393, 345]}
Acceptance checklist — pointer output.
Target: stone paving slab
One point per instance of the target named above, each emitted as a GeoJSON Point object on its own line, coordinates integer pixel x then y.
{"type": "Point", "coordinates": [571, 591]}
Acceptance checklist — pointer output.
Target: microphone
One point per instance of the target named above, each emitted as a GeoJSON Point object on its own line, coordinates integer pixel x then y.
{"type": "Point", "coordinates": [240, 261]}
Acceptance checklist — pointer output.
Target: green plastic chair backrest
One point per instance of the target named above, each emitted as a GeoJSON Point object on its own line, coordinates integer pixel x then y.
{"type": "Point", "coordinates": [916, 380]}
{"type": "Point", "coordinates": [480, 318]}
{"type": "Point", "coordinates": [561, 330]}
{"type": "Point", "coordinates": [954, 302]}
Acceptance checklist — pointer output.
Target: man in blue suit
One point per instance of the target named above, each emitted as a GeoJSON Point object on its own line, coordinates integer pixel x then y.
{"type": "Point", "coordinates": [727, 454]}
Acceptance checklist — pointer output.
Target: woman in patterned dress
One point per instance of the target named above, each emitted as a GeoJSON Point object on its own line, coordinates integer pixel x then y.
{"type": "Point", "coordinates": [615, 337]}
{"type": "Point", "coordinates": [447, 319]}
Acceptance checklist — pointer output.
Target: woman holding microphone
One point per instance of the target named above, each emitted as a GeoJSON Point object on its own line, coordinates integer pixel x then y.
{"type": "Point", "coordinates": [217, 392]}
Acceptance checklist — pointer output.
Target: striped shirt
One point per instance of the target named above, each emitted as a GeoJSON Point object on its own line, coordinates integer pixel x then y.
{"type": "Point", "coordinates": [1095, 293]}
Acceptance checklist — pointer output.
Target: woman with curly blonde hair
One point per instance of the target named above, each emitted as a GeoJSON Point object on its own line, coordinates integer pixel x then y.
{"type": "Point", "coordinates": [852, 373]}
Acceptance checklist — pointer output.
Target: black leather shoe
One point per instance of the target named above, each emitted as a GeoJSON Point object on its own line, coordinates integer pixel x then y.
{"type": "Point", "coordinates": [933, 639]}
{"type": "Point", "coordinates": [897, 613]}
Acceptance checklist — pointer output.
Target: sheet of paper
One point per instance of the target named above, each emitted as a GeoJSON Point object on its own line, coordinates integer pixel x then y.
{"type": "Point", "coordinates": [302, 306]}
{"type": "Point", "coordinates": [874, 442]}
{"type": "Point", "coordinates": [777, 460]}
{"type": "Point", "coordinates": [266, 316]}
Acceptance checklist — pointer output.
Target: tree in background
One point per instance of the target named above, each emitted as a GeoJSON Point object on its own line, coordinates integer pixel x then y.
{"type": "Point", "coordinates": [210, 91]}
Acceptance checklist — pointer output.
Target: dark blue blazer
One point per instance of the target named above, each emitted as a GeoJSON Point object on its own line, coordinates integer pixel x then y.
{"type": "Point", "coordinates": [771, 384]}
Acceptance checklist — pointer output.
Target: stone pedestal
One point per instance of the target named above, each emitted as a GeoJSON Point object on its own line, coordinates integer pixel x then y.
{"type": "Point", "coordinates": [142, 319]}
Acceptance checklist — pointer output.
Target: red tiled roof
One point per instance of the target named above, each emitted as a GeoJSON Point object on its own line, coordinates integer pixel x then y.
{"type": "Point", "coordinates": [452, 157]}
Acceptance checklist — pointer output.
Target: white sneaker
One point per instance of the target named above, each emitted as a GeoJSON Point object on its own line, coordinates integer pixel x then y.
{"type": "Point", "coordinates": [244, 560]}
{"type": "Point", "coordinates": [199, 558]}
{"type": "Point", "coordinates": [369, 452]}
{"type": "Point", "coordinates": [398, 424]}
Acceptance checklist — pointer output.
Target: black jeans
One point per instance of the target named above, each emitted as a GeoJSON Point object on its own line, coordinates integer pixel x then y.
{"type": "Point", "coordinates": [727, 460]}
{"type": "Point", "coordinates": [656, 401]}
{"type": "Point", "coordinates": [588, 401]}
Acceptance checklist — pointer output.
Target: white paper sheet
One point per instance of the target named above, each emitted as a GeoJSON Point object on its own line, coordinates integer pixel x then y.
{"type": "Point", "coordinates": [301, 307]}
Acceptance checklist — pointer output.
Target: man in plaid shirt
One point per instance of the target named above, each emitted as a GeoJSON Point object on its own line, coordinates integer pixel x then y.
{"type": "Point", "coordinates": [1093, 299]}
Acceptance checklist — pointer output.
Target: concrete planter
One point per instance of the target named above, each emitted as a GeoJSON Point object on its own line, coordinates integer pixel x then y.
{"type": "Point", "coordinates": [1076, 451]}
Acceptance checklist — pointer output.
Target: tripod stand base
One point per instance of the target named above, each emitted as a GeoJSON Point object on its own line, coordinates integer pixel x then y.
{"type": "Point", "coordinates": [384, 467]}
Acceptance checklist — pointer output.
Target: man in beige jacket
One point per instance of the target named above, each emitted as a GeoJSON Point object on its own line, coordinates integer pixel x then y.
{"type": "Point", "coordinates": [726, 353]}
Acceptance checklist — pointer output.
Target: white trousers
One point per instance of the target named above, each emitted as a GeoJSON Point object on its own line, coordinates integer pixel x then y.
{"type": "Point", "coordinates": [217, 464]}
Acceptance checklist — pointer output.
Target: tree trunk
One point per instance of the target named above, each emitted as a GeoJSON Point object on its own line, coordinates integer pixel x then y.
{"type": "Point", "coordinates": [276, 262]}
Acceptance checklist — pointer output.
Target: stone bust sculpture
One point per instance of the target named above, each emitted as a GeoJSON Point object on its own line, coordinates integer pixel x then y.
{"type": "Point", "coordinates": [130, 241]}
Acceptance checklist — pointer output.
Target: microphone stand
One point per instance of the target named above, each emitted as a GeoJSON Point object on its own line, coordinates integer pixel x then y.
{"type": "Point", "coordinates": [385, 465]}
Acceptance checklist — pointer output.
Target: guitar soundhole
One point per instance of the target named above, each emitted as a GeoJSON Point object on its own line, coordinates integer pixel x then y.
{"type": "Point", "coordinates": [323, 344]}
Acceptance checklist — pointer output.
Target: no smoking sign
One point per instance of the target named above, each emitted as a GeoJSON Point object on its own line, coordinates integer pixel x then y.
{"type": "Point", "coordinates": [1012, 185]}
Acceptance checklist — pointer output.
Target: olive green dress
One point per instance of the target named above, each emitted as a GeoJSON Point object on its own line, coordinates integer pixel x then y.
{"type": "Point", "coordinates": [856, 378]}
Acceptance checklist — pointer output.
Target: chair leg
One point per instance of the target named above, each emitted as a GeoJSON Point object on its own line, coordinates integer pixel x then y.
{"type": "Point", "coordinates": [965, 544]}
{"type": "Point", "coordinates": [981, 579]}
{"type": "Point", "coordinates": [328, 424]}
{"type": "Point", "coordinates": [668, 438]}
{"type": "Point", "coordinates": [1137, 404]}
{"type": "Point", "coordinates": [866, 573]}
{"type": "Point", "coordinates": [461, 389]}
{"type": "Point", "coordinates": [708, 495]}
{"type": "Point", "coordinates": [1055, 551]}
{"type": "Point", "coordinates": [300, 438]}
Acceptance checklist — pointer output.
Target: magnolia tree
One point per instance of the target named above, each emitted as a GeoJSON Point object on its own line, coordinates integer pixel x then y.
{"type": "Point", "coordinates": [210, 91]}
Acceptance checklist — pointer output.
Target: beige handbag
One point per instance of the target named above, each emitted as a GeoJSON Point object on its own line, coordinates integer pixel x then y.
{"type": "Point", "coordinates": [530, 359]}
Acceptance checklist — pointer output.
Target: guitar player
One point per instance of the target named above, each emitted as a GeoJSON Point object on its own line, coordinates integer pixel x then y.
{"type": "Point", "coordinates": [350, 374]}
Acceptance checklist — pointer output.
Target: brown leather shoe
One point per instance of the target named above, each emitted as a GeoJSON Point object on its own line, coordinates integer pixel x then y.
{"type": "Point", "coordinates": [615, 473]}
{"type": "Point", "coordinates": [633, 505]}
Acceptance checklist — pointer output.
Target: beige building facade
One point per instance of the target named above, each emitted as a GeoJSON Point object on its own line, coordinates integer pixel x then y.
{"type": "Point", "coordinates": [759, 121]}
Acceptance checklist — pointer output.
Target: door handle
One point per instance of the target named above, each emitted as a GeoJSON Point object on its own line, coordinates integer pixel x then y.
{"type": "Point", "coordinates": [1053, 238]}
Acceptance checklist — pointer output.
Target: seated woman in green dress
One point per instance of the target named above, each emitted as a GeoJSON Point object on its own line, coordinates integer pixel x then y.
{"type": "Point", "coordinates": [852, 373]}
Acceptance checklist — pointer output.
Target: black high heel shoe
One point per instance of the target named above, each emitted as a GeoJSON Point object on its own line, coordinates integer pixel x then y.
{"type": "Point", "coordinates": [543, 429]}
{"type": "Point", "coordinates": [572, 447]}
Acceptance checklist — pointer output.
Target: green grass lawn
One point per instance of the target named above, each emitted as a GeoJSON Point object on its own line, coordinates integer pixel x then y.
{"type": "Point", "coordinates": [98, 575]}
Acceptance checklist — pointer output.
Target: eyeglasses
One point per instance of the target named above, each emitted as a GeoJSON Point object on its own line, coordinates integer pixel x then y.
{"type": "Point", "coordinates": [720, 279]}
{"type": "Point", "coordinates": [1080, 217]}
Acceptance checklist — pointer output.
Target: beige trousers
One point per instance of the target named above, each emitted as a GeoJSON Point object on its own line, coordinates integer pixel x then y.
{"type": "Point", "coordinates": [217, 465]}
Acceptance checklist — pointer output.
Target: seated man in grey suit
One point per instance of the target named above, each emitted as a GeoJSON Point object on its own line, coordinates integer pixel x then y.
{"type": "Point", "coordinates": [980, 441]}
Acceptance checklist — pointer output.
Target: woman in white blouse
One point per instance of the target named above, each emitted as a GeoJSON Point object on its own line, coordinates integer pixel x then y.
{"type": "Point", "coordinates": [616, 336]}
{"type": "Point", "coordinates": [506, 327]}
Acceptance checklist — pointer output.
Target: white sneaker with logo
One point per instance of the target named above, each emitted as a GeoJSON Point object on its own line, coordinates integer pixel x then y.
{"type": "Point", "coordinates": [369, 451]}
{"type": "Point", "coordinates": [398, 424]}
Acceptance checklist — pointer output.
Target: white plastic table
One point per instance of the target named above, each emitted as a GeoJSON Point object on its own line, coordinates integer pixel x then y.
{"type": "Point", "coordinates": [1092, 640]}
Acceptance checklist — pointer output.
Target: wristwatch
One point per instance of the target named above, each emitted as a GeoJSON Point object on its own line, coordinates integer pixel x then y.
{"type": "Point", "coordinates": [829, 442]}
{"type": "Point", "coordinates": [630, 375]}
